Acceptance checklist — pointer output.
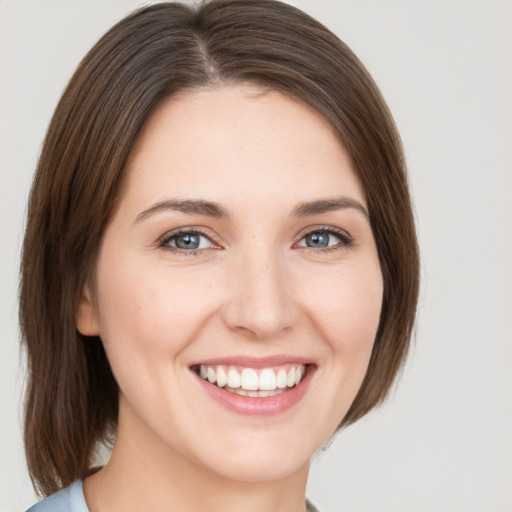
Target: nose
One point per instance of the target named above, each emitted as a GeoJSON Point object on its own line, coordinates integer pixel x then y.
{"type": "Point", "coordinates": [260, 304]}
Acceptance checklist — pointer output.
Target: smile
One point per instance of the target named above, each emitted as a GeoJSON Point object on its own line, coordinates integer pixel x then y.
{"type": "Point", "coordinates": [249, 386]}
{"type": "Point", "coordinates": [253, 382]}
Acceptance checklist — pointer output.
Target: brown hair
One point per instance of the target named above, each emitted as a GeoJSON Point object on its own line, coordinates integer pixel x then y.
{"type": "Point", "coordinates": [72, 397]}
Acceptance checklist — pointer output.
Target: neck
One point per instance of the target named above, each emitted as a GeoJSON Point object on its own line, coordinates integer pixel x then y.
{"type": "Point", "coordinates": [145, 474]}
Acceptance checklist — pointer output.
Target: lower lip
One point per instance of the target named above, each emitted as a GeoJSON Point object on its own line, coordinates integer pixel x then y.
{"type": "Point", "coordinates": [258, 406]}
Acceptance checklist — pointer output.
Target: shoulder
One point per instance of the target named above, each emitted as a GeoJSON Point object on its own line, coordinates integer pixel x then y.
{"type": "Point", "coordinates": [70, 499]}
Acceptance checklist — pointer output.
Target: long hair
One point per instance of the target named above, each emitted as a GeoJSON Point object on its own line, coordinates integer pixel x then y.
{"type": "Point", "coordinates": [72, 397]}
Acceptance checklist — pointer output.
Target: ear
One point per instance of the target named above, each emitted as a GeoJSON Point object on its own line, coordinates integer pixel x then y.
{"type": "Point", "coordinates": [85, 316]}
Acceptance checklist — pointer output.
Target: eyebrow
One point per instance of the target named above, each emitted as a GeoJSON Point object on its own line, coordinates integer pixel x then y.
{"type": "Point", "coordinates": [190, 206]}
{"type": "Point", "coordinates": [328, 205]}
{"type": "Point", "coordinates": [215, 210]}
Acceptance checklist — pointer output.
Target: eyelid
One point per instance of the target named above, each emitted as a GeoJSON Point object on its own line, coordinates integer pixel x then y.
{"type": "Point", "coordinates": [164, 240]}
{"type": "Point", "coordinates": [345, 237]}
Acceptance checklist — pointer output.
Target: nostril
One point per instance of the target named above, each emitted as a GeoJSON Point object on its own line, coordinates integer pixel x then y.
{"type": "Point", "coordinates": [259, 308]}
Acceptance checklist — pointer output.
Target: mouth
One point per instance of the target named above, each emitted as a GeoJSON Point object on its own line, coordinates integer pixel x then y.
{"type": "Point", "coordinates": [253, 382]}
{"type": "Point", "coordinates": [256, 388]}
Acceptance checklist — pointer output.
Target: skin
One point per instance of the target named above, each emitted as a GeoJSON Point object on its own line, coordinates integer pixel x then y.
{"type": "Point", "coordinates": [255, 289]}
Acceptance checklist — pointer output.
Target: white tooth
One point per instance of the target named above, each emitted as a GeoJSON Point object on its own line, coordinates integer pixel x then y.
{"type": "Point", "coordinates": [222, 378]}
{"type": "Point", "coordinates": [265, 393]}
{"type": "Point", "coordinates": [298, 375]}
{"type": "Point", "coordinates": [267, 380]}
{"type": "Point", "coordinates": [212, 377]}
{"type": "Point", "coordinates": [253, 394]}
{"type": "Point", "coordinates": [202, 372]}
{"type": "Point", "coordinates": [233, 378]}
{"type": "Point", "coordinates": [249, 379]}
{"type": "Point", "coordinates": [281, 379]}
{"type": "Point", "coordinates": [241, 391]}
{"type": "Point", "coordinates": [291, 378]}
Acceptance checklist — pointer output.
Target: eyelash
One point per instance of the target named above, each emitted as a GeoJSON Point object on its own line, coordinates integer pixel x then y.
{"type": "Point", "coordinates": [164, 242]}
{"type": "Point", "coordinates": [343, 236]}
{"type": "Point", "coordinates": [345, 240]}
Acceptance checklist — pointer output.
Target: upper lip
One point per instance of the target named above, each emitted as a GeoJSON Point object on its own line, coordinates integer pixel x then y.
{"type": "Point", "coordinates": [255, 362]}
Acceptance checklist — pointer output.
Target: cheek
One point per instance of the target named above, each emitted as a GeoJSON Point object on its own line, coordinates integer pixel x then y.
{"type": "Point", "coordinates": [150, 310]}
{"type": "Point", "coordinates": [346, 305]}
{"type": "Point", "coordinates": [147, 317]}
{"type": "Point", "coordinates": [346, 311]}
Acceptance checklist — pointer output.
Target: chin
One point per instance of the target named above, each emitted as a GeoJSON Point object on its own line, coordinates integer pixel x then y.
{"type": "Point", "coordinates": [262, 469]}
{"type": "Point", "coordinates": [261, 458]}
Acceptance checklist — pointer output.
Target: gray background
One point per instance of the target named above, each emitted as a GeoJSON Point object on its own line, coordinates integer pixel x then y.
{"type": "Point", "coordinates": [443, 442]}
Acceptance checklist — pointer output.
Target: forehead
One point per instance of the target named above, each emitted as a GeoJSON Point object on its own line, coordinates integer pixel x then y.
{"type": "Point", "coordinates": [241, 142]}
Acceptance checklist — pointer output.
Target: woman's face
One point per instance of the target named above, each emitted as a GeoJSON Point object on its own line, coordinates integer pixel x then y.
{"type": "Point", "coordinates": [240, 256]}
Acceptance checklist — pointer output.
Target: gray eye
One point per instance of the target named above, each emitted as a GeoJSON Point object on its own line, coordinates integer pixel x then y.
{"type": "Point", "coordinates": [187, 241]}
{"type": "Point", "coordinates": [323, 239]}
{"type": "Point", "coordinates": [318, 239]}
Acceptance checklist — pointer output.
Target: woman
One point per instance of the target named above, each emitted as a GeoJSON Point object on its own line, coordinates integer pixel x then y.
{"type": "Point", "coordinates": [220, 267]}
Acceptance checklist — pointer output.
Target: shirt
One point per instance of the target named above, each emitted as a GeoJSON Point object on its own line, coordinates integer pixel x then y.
{"type": "Point", "coordinates": [71, 499]}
